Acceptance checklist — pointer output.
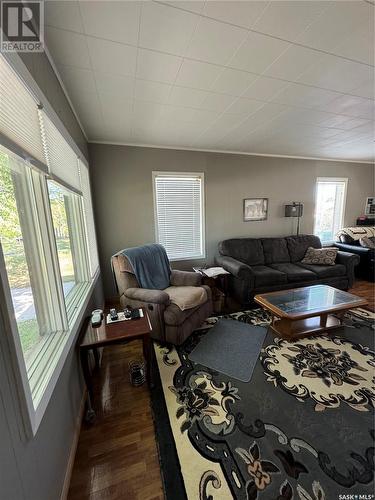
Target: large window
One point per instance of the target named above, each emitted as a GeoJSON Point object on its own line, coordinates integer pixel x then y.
{"type": "Point", "coordinates": [62, 206]}
{"type": "Point", "coordinates": [48, 255]}
{"type": "Point", "coordinates": [179, 214]}
{"type": "Point", "coordinates": [22, 254]}
{"type": "Point", "coordinates": [329, 207]}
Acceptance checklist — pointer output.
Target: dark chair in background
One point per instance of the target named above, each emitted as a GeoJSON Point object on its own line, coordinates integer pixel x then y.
{"type": "Point", "coordinates": [349, 241]}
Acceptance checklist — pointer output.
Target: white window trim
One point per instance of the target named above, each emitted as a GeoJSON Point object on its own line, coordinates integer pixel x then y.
{"type": "Point", "coordinates": [10, 343]}
{"type": "Point", "coordinates": [32, 417]}
{"type": "Point", "coordinates": [157, 173]}
{"type": "Point", "coordinates": [331, 179]}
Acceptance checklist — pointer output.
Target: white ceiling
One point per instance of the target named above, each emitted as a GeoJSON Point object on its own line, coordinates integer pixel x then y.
{"type": "Point", "coordinates": [291, 78]}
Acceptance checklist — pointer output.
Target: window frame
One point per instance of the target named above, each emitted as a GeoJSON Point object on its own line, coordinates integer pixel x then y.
{"type": "Point", "coordinates": [38, 378]}
{"type": "Point", "coordinates": [28, 416]}
{"type": "Point", "coordinates": [343, 180]}
{"type": "Point", "coordinates": [181, 174]}
{"type": "Point", "coordinates": [78, 239]}
{"type": "Point", "coordinates": [31, 417]}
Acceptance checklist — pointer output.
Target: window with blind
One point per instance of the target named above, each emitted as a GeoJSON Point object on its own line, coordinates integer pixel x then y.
{"type": "Point", "coordinates": [48, 253]}
{"type": "Point", "coordinates": [179, 214]}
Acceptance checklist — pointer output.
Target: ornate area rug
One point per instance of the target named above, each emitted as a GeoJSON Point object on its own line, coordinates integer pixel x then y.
{"type": "Point", "coordinates": [302, 428]}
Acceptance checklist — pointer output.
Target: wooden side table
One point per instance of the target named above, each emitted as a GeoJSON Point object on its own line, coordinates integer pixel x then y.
{"type": "Point", "coordinates": [219, 287]}
{"type": "Point", "coordinates": [118, 333]}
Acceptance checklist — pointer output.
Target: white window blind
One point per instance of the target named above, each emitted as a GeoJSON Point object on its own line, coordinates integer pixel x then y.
{"type": "Point", "coordinates": [89, 219]}
{"type": "Point", "coordinates": [179, 217]}
{"type": "Point", "coordinates": [19, 121]}
{"type": "Point", "coordinates": [61, 159]}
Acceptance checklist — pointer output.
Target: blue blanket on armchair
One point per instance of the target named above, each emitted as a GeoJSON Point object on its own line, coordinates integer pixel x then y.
{"type": "Point", "coordinates": [150, 265]}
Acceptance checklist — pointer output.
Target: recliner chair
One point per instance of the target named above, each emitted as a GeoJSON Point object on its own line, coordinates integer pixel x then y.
{"type": "Point", "coordinates": [169, 322]}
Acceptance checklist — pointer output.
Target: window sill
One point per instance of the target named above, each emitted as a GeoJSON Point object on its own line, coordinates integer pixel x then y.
{"type": "Point", "coordinates": [73, 300]}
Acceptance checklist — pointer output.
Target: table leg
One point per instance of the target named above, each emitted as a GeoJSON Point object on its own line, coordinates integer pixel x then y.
{"type": "Point", "coordinates": [147, 346]}
{"type": "Point", "coordinates": [282, 327]}
{"type": "Point", "coordinates": [323, 320]}
{"type": "Point", "coordinates": [97, 358]}
{"type": "Point", "coordinates": [224, 286]}
{"type": "Point", "coordinates": [340, 316]}
{"type": "Point", "coordinates": [84, 355]}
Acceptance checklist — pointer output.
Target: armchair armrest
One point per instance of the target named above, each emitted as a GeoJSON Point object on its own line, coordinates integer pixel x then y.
{"type": "Point", "coordinates": [349, 260]}
{"type": "Point", "coordinates": [185, 278]}
{"type": "Point", "coordinates": [145, 295]}
{"type": "Point", "coordinates": [235, 267]}
{"type": "Point", "coordinates": [353, 249]}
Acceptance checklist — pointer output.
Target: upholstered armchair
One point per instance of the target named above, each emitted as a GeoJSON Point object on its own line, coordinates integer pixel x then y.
{"type": "Point", "coordinates": [169, 322]}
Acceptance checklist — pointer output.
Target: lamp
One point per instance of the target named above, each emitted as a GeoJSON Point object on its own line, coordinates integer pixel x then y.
{"type": "Point", "coordinates": [294, 210]}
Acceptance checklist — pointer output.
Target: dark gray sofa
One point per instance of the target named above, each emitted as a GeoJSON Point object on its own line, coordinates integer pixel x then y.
{"type": "Point", "coordinates": [259, 265]}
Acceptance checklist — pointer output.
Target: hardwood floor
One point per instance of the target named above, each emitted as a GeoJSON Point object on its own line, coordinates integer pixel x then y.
{"type": "Point", "coordinates": [365, 289]}
{"type": "Point", "coordinates": [117, 457]}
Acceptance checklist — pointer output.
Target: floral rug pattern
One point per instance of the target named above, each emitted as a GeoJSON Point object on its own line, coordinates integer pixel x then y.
{"type": "Point", "coordinates": [329, 370]}
{"type": "Point", "coordinates": [302, 428]}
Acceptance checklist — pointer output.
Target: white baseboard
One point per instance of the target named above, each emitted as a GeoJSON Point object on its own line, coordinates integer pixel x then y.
{"type": "Point", "coordinates": [73, 449]}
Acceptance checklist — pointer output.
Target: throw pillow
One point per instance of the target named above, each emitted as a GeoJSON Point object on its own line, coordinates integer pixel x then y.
{"type": "Point", "coordinates": [320, 256]}
{"type": "Point", "coordinates": [367, 242]}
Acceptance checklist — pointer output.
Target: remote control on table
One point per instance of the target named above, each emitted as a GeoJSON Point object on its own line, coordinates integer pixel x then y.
{"type": "Point", "coordinates": [96, 317]}
{"type": "Point", "coordinates": [113, 314]}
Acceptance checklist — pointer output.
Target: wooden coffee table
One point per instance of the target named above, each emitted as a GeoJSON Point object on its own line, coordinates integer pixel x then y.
{"type": "Point", "coordinates": [305, 311]}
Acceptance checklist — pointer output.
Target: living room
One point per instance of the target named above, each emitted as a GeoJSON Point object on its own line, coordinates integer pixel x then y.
{"type": "Point", "coordinates": [187, 239]}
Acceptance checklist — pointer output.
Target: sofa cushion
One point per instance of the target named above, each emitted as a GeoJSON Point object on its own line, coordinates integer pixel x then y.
{"type": "Point", "coordinates": [186, 297]}
{"type": "Point", "coordinates": [275, 250]}
{"type": "Point", "coordinates": [247, 250]}
{"type": "Point", "coordinates": [295, 273]}
{"type": "Point", "coordinates": [266, 276]}
{"type": "Point", "coordinates": [297, 245]}
{"type": "Point", "coordinates": [320, 256]}
{"type": "Point", "coordinates": [173, 315]}
{"type": "Point", "coordinates": [325, 271]}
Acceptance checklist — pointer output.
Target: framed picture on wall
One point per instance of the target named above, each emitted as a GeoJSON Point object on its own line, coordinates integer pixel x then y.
{"type": "Point", "coordinates": [370, 206]}
{"type": "Point", "coordinates": [255, 209]}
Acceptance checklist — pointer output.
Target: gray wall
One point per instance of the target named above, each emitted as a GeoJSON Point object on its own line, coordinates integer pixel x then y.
{"type": "Point", "coordinates": [123, 199]}
{"type": "Point", "coordinates": [34, 469]}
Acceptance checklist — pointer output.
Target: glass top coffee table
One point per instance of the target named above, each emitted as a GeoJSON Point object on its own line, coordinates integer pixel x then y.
{"type": "Point", "coordinates": [304, 311]}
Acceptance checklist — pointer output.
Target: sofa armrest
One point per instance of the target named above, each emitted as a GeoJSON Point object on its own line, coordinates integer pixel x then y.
{"type": "Point", "coordinates": [185, 278]}
{"type": "Point", "coordinates": [146, 295]}
{"type": "Point", "coordinates": [235, 267]}
{"type": "Point", "coordinates": [353, 249]}
{"type": "Point", "coordinates": [349, 260]}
